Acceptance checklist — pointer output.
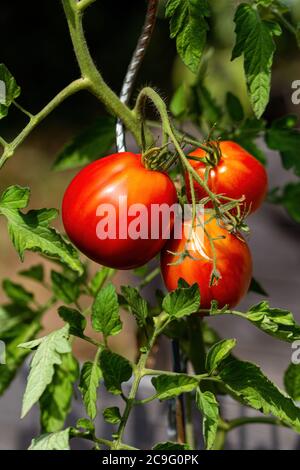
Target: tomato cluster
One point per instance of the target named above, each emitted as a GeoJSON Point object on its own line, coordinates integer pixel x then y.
{"type": "Point", "coordinates": [101, 184]}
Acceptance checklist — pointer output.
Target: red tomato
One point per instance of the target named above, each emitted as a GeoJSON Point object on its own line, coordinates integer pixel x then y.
{"type": "Point", "coordinates": [103, 182]}
{"type": "Point", "coordinates": [237, 174]}
{"type": "Point", "coordinates": [234, 264]}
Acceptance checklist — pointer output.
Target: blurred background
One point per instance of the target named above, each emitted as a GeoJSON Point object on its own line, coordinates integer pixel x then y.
{"type": "Point", "coordinates": [36, 48]}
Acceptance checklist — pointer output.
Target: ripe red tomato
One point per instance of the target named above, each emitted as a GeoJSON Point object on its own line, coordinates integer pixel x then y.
{"type": "Point", "coordinates": [237, 174]}
{"type": "Point", "coordinates": [103, 182]}
{"type": "Point", "coordinates": [234, 264]}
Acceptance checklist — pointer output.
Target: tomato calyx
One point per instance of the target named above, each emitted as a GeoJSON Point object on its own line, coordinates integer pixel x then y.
{"type": "Point", "coordinates": [158, 158]}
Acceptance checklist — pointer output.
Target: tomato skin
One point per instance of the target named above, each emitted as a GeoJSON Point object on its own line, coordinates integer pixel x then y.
{"type": "Point", "coordinates": [102, 182]}
{"type": "Point", "coordinates": [237, 174]}
{"type": "Point", "coordinates": [234, 263]}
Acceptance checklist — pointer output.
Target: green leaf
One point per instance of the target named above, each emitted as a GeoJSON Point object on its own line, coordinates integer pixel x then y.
{"type": "Point", "coordinates": [34, 272]}
{"type": "Point", "coordinates": [234, 107]}
{"type": "Point", "coordinates": [169, 386]}
{"type": "Point", "coordinates": [89, 382]}
{"type": "Point", "coordinates": [48, 354]}
{"type": "Point", "coordinates": [217, 353]}
{"type": "Point", "coordinates": [86, 424]}
{"type": "Point", "coordinates": [254, 39]}
{"type": "Point", "coordinates": [274, 321]}
{"type": "Point", "coordinates": [55, 403]}
{"type": "Point", "coordinates": [31, 231]}
{"type": "Point", "coordinates": [105, 312]}
{"type": "Point", "coordinates": [15, 356]}
{"type": "Point", "coordinates": [12, 316]}
{"type": "Point", "coordinates": [256, 287]}
{"type": "Point", "coordinates": [112, 415]}
{"type": "Point", "coordinates": [137, 305]}
{"type": "Point", "coordinates": [93, 143]}
{"type": "Point", "coordinates": [15, 197]}
{"type": "Point", "coordinates": [11, 90]}
{"type": "Point", "coordinates": [99, 279]}
{"type": "Point", "coordinates": [284, 137]}
{"type": "Point", "coordinates": [182, 302]}
{"type": "Point", "coordinates": [292, 381]}
{"type": "Point", "coordinates": [289, 198]}
{"type": "Point", "coordinates": [16, 292]}
{"type": "Point", "coordinates": [170, 446]}
{"type": "Point", "coordinates": [64, 289]}
{"type": "Point", "coordinates": [207, 108]}
{"type": "Point", "coordinates": [116, 370]}
{"type": "Point", "coordinates": [209, 407]}
{"type": "Point", "coordinates": [52, 441]}
{"type": "Point", "coordinates": [75, 319]}
{"type": "Point", "coordinates": [249, 384]}
{"type": "Point", "coordinates": [189, 26]}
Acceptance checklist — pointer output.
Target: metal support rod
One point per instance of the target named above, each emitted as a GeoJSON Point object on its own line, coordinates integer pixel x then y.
{"type": "Point", "coordinates": [134, 66]}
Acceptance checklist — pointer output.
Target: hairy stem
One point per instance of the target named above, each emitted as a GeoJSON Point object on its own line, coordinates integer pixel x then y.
{"type": "Point", "coordinates": [89, 71]}
{"type": "Point", "coordinates": [35, 120]}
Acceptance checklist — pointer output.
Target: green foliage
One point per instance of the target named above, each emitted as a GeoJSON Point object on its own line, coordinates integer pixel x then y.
{"type": "Point", "coordinates": [255, 40]}
{"type": "Point", "coordinates": [89, 381]}
{"type": "Point", "coordinates": [93, 143]}
{"type": "Point", "coordinates": [246, 381]}
{"type": "Point", "coordinates": [112, 415]}
{"type": "Point", "coordinates": [276, 322]}
{"type": "Point", "coordinates": [170, 446]}
{"type": "Point", "coordinates": [292, 381]}
{"type": "Point", "coordinates": [137, 305]}
{"type": "Point", "coordinates": [76, 321]}
{"type": "Point", "coordinates": [31, 231]}
{"type": "Point", "coordinates": [116, 370]}
{"type": "Point", "coordinates": [170, 386]}
{"type": "Point", "coordinates": [17, 293]}
{"type": "Point", "coordinates": [64, 289]}
{"type": "Point", "coordinates": [188, 24]}
{"type": "Point", "coordinates": [55, 403]}
{"type": "Point", "coordinates": [35, 272]}
{"type": "Point", "coordinates": [15, 356]}
{"type": "Point", "coordinates": [99, 279]}
{"type": "Point", "coordinates": [12, 90]}
{"type": "Point", "coordinates": [217, 353]}
{"type": "Point", "coordinates": [52, 441]}
{"type": "Point", "coordinates": [234, 108]}
{"type": "Point", "coordinates": [182, 302]}
{"type": "Point", "coordinates": [289, 198]}
{"type": "Point", "coordinates": [284, 137]}
{"type": "Point", "coordinates": [48, 354]}
{"type": "Point", "coordinates": [209, 407]}
{"type": "Point", "coordinates": [105, 312]}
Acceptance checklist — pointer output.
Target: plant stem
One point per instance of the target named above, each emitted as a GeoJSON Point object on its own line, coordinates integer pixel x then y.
{"type": "Point", "coordinates": [189, 425]}
{"type": "Point", "coordinates": [139, 372]}
{"type": "Point", "coordinates": [23, 110]}
{"type": "Point", "coordinates": [89, 71]}
{"type": "Point", "coordinates": [35, 120]}
{"type": "Point", "coordinates": [152, 275]}
{"type": "Point", "coordinates": [83, 4]}
{"type": "Point", "coordinates": [235, 423]}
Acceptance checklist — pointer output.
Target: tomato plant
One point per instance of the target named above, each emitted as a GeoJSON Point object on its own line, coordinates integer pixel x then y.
{"type": "Point", "coordinates": [205, 145]}
{"type": "Point", "coordinates": [236, 174]}
{"type": "Point", "coordinates": [233, 270]}
{"type": "Point", "coordinates": [105, 181]}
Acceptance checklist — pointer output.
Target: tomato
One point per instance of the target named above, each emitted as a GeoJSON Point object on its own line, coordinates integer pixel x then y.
{"type": "Point", "coordinates": [237, 174]}
{"type": "Point", "coordinates": [233, 257]}
{"type": "Point", "coordinates": [102, 184]}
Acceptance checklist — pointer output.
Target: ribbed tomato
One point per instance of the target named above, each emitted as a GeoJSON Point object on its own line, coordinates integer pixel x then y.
{"type": "Point", "coordinates": [236, 174]}
{"type": "Point", "coordinates": [233, 257]}
{"type": "Point", "coordinates": [108, 186]}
